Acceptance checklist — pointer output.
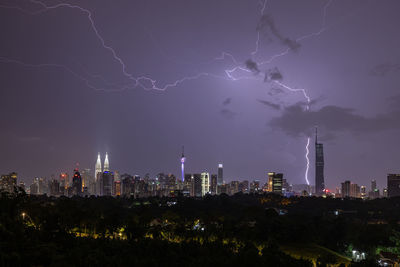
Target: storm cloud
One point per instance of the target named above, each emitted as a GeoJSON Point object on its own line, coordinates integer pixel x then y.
{"type": "Point", "coordinates": [296, 121]}
{"type": "Point", "coordinates": [252, 66]}
{"type": "Point", "coordinates": [273, 75]}
{"type": "Point", "coordinates": [269, 104]}
{"type": "Point", "coordinates": [267, 23]}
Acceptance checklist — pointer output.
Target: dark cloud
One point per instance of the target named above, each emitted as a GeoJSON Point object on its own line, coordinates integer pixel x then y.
{"type": "Point", "coordinates": [275, 91]}
{"type": "Point", "coordinates": [273, 75]}
{"type": "Point", "coordinates": [269, 104]}
{"type": "Point", "coordinates": [267, 23]}
{"type": "Point", "coordinates": [384, 69]}
{"type": "Point", "coordinates": [252, 66]}
{"type": "Point", "coordinates": [227, 101]}
{"type": "Point", "coordinates": [228, 114]}
{"type": "Point", "coordinates": [296, 121]}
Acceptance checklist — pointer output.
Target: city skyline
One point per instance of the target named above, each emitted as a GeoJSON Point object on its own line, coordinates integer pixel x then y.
{"type": "Point", "coordinates": [329, 64]}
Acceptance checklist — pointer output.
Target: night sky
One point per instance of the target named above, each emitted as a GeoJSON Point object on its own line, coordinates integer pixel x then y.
{"type": "Point", "coordinates": [65, 97]}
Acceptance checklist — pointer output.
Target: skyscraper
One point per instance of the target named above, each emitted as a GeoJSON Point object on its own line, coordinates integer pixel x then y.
{"type": "Point", "coordinates": [106, 183]}
{"type": "Point", "coordinates": [197, 185]}
{"type": "Point", "coordinates": [319, 166]}
{"type": "Point", "coordinates": [205, 183]}
{"type": "Point", "coordinates": [106, 164]}
{"type": "Point", "coordinates": [98, 167]}
{"type": "Point", "coordinates": [393, 185]}
{"type": "Point", "coordinates": [346, 189]}
{"type": "Point", "coordinates": [220, 178]}
{"type": "Point", "coordinates": [77, 183]}
{"type": "Point", "coordinates": [277, 181]}
{"type": "Point", "coordinates": [214, 184]}
{"type": "Point", "coordinates": [183, 164]}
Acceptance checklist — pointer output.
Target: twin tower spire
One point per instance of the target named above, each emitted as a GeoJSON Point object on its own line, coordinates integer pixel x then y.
{"type": "Point", "coordinates": [98, 165]}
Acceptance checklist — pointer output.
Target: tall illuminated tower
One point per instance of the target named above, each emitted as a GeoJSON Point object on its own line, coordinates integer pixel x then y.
{"type": "Point", "coordinates": [220, 177]}
{"type": "Point", "coordinates": [183, 164]}
{"type": "Point", "coordinates": [319, 166]}
{"type": "Point", "coordinates": [106, 164]}
{"type": "Point", "coordinates": [98, 167]}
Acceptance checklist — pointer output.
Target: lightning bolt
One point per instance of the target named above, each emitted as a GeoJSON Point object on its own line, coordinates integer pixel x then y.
{"type": "Point", "coordinates": [148, 83]}
{"type": "Point", "coordinates": [307, 160]}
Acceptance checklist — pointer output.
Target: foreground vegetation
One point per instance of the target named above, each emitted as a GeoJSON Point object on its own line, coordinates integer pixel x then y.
{"type": "Point", "coordinates": [266, 230]}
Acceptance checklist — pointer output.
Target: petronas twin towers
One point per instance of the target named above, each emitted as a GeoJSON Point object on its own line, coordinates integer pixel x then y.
{"type": "Point", "coordinates": [98, 168]}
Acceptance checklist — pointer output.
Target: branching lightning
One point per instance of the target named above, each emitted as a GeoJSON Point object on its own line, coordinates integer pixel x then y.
{"type": "Point", "coordinates": [148, 83]}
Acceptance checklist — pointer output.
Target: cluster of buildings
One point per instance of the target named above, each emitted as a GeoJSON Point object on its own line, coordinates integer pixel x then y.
{"type": "Point", "coordinates": [104, 182]}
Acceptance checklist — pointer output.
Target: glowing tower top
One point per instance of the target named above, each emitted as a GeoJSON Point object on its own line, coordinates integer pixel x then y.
{"type": "Point", "coordinates": [106, 164]}
{"type": "Point", "coordinates": [98, 166]}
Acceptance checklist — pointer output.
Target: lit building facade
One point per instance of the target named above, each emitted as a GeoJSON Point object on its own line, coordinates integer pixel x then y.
{"type": "Point", "coordinates": [205, 183]}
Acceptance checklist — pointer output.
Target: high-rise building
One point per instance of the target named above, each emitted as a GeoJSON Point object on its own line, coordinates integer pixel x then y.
{"type": "Point", "coordinates": [205, 183]}
{"type": "Point", "coordinates": [277, 182]}
{"type": "Point", "coordinates": [8, 182]}
{"type": "Point", "coordinates": [127, 185]}
{"type": "Point", "coordinates": [233, 187]}
{"type": "Point", "coordinates": [385, 192]}
{"type": "Point", "coordinates": [373, 185]}
{"type": "Point", "coordinates": [64, 184]}
{"type": "Point", "coordinates": [106, 164]}
{"type": "Point", "coordinates": [269, 183]}
{"type": "Point", "coordinates": [355, 191]}
{"type": "Point", "coordinates": [106, 183]}
{"type": "Point", "coordinates": [319, 167]}
{"type": "Point", "coordinates": [220, 178]}
{"type": "Point", "coordinates": [255, 186]}
{"type": "Point", "coordinates": [363, 191]}
{"type": "Point", "coordinates": [117, 184]}
{"type": "Point", "coordinates": [88, 181]}
{"type": "Point", "coordinates": [244, 186]}
{"type": "Point", "coordinates": [197, 185]}
{"type": "Point", "coordinates": [183, 159]}
{"type": "Point", "coordinates": [97, 167]}
{"type": "Point", "coordinates": [188, 187]}
{"type": "Point", "coordinates": [393, 185]}
{"type": "Point", "coordinates": [346, 189]}
{"type": "Point", "coordinates": [54, 187]}
{"type": "Point", "coordinates": [38, 187]}
{"type": "Point", "coordinates": [214, 184]}
{"type": "Point", "coordinates": [77, 183]}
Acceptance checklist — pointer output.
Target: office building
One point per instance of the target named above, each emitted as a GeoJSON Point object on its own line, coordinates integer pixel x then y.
{"type": "Point", "coordinates": [275, 182]}
{"type": "Point", "coordinates": [77, 183]}
{"type": "Point", "coordinates": [393, 185]}
{"type": "Point", "coordinates": [346, 189]}
{"type": "Point", "coordinates": [205, 183]}
{"type": "Point", "coordinates": [214, 184]}
{"type": "Point", "coordinates": [197, 184]}
{"type": "Point", "coordinates": [220, 179]}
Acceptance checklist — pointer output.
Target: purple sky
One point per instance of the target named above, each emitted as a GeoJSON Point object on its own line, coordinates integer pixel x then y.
{"type": "Point", "coordinates": [52, 116]}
